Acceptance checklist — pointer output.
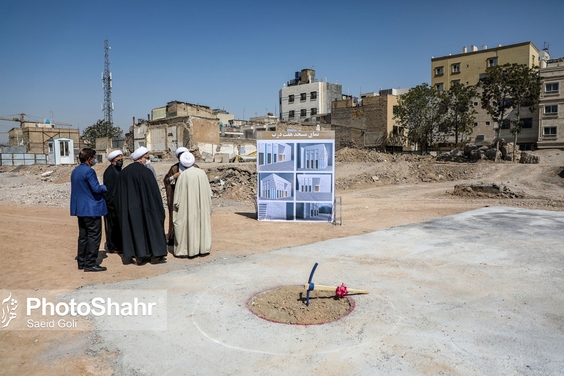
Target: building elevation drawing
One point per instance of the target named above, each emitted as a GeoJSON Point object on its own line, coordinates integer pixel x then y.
{"type": "Point", "coordinates": [296, 176]}
{"type": "Point", "coordinates": [273, 156]}
{"type": "Point", "coordinates": [281, 211]}
{"type": "Point", "coordinates": [314, 187]}
{"type": "Point", "coordinates": [314, 211]}
{"type": "Point", "coordinates": [274, 187]}
{"type": "Point", "coordinates": [313, 157]}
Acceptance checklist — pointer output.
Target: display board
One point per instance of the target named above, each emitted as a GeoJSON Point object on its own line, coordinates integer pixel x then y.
{"type": "Point", "coordinates": [296, 176]}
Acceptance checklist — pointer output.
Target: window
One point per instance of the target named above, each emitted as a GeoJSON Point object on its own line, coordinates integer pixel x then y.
{"type": "Point", "coordinates": [291, 114]}
{"type": "Point", "coordinates": [487, 123]}
{"type": "Point", "coordinates": [475, 103]}
{"type": "Point", "coordinates": [525, 146]}
{"type": "Point", "coordinates": [314, 111]}
{"type": "Point", "coordinates": [303, 96]}
{"type": "Point", "coordinates": [439, 71]}
{"type": "Point", "coordinates": [313, 95]}
{"type": "Point", "coordinates": [439, 86]}
{"type": "Point", "coordinates": [454, 82]}
{"type": "Point", "coordinates": [525, 123]}
{"type": "Point", "coordinates": [492, 62]}
{"type": "Point", "coordinates": [549, 132]}
{"type": "Point", "coordinates": [551, 87]}
{"type": "Point", "coordinates": [551, 109]}
{"type": "Point", "coordinates": [64, 148]}
{"type": "Point", "coordinates": [303, 112]}
{"type": "Point", "coordinates": [456, 68]}
{"type": "Point", "coordinates": [291, 98]}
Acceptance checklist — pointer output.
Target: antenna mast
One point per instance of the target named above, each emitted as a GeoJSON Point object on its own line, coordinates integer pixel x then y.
{"type": "Point", "coordinates": [108, 106]}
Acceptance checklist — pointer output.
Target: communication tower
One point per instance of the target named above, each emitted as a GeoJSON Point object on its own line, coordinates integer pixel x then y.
{"type": "Point", "coordinates": [108, 106]}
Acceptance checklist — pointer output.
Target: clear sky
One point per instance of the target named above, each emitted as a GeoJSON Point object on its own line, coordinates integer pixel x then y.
{"type": "Point", "coordinates": [236, 55]}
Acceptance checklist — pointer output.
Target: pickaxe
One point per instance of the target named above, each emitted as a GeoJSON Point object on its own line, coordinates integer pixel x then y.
{"type": "Point", "coordinates": [309, 286]}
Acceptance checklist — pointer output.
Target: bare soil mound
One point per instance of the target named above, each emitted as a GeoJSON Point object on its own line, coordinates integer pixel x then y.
{"type": "Point", "coordinates": [287, 305]}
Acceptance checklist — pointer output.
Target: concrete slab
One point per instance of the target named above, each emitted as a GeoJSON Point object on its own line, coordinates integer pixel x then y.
{"type": "Point", "coordinates": [479, 293]}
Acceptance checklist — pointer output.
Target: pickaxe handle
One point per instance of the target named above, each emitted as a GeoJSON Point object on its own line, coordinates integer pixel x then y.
{"type": "Point", "coordinates": [315, 286]}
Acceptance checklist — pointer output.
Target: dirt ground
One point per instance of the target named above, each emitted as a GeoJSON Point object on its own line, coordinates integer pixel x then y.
{"type": "Point", "coordinates": [378, 191]}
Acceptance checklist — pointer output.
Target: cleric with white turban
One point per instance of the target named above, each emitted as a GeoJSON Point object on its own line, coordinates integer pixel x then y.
{"type": "Point", "coordinates": [181, 150]}
{"type": "Point", "coordinates": [139, 152]}
{"type": "Point", "coordinates": [170, 184]}
{"type": "Point", "coordinates": [186, 161]}
{"type": "Point", "coordinates": [111, 220]}
{"type": "Point", "coordinates": [192, 205]}
{"type": "Point", "coordinates": [114, 154]}
{"type": "Point", "coordinates": [140, 212]}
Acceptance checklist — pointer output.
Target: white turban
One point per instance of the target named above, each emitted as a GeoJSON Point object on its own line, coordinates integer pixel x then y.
{"type": "Point", "coordinates": [138, 153]}
{"type": "Point", "coordinates": [187, 160]}
{"type": "Point", "coordinates": [114, 154]}
{"type": "Point", "coordinates": [180, 150]}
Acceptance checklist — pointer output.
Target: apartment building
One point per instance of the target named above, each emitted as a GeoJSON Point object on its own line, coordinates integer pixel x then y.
{"type": "Point", "coordinates": [467, 68]}
{"type": "Point", "coordinates": [304, 98]}
{"type": "Point", "coordinates": [551, 108]}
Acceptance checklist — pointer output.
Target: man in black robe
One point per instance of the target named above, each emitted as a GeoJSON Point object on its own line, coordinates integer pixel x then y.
{"type": "Point", "coordinates": [141, 212]}
{"type": "Point", "coordinates": [111, 222]}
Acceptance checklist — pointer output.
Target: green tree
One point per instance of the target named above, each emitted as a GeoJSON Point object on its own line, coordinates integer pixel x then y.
{"type": "Point", "coordinates": [526, 86]}
{"type": "Point", "coordinates": [457, 107]}
{"type": "Point", "coordinates": [101, 129]}
{"type": "Point", "coordinates": [506, 88]}
{"type": "Point", "coordinates": [417, 112]}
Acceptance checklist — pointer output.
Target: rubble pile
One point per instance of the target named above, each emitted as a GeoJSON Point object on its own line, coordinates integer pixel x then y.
{"type": "Point", "coordinates": [234, 182]}
{"type": "Point", "coordinates": [502, 151]}
{"type": "Point", "coordinates": [360, 155]}
{"type": "Point", "coordinates": [485, 190]}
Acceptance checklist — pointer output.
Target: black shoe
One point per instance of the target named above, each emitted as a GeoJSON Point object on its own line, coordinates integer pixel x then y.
{"type": "Point", "coordinates": [80, 267]}
{"type": "Point", "coordinates": [96, 268]}
{"type": "Point", "coordinates": [142, 260]}
{"type": "Point", "coordinates": [158, 260]}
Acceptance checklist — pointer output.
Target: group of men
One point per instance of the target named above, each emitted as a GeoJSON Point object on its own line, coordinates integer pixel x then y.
{"type": "Point", "coordinates": [130, 202]}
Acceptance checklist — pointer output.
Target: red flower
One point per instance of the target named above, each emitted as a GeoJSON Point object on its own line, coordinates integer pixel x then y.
{"type": "Point", "coordinates": [341, 291]}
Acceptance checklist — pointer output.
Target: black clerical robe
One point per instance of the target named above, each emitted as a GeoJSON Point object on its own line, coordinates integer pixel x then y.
{"type": "Point", "coordinates": [141, 213]}
{"type": "Point", "coordinates": [111, 222]}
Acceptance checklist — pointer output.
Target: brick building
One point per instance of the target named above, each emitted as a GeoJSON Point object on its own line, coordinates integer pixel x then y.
{"type": "Point", "coordinates": [368, 123]}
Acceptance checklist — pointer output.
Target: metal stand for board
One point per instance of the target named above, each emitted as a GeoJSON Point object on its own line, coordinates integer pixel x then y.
{"type": "Point", "coordinates": [338, 211]}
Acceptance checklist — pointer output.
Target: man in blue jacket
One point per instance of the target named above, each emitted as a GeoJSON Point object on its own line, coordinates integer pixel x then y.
{"type": "Point", "coordinates": [88, 204]}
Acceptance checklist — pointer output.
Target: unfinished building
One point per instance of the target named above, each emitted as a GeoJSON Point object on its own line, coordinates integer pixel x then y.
{"type": "Point", "coordinates": [368, 123]}
{"type": "Point", "coordinates": [174, 125]}
{"type": "Point", "coordinates": [36, 136]}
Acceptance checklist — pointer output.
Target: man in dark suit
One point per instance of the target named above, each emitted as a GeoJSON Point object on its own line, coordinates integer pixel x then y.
{"type": "Point", "coordinates": [88, 204]}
